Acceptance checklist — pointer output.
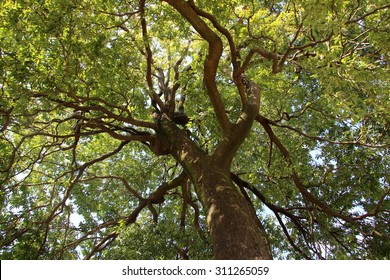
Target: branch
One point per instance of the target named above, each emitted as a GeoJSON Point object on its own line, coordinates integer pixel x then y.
{"type": "Point", "coordinates": [73, 182]}
{"type": "Point", "coordinates": [290, 240]}
{"type": "Point", "coordinates": [267, 55]}
{"type": "Point", "coordinates": [7, 118]}
{"type": "Point", "coordinates": [243, 184]}
{"type": "Point", "coordinates": [121, 179]}
{"type": "Point", "coordinates": [102, 244]}
{"type": "Point", "coordinates": [121, 137]}
{"type": "Point", "coordinates": [77, 105]}
{"type": "Point", "coordinates": [157, 197]}
{"type": "Point", "coordinates": [233, 50]}
{"type": "Point", "coordinates": [303, 190]}
{"type": "Point", "coordinates": [230, 144]}
{"type": "Point", "coordinates": [278, 61]}
{"type": "Point", "coordinates": [212, 58]}
{"type": "Point", "coordinates": [368, 14]}
{"type": "Point", "coordinates": [187, 200]}
{"type": "Point", "coordinates": [357, 143]}
{"type": "Point", "coordinates": [301, 187]}
{"type": "Point", "coordinates": [112, 236]}
{"type": "Point", "coordinates": [19, 232]}
{"type": "Point", "coordinates": [276, 209]}
{"type": "Point", "coordinates": [149, 57]}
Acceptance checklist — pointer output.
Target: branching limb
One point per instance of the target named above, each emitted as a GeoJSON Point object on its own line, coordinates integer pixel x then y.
{"type": "Point", "coordinates": [157, 197]}
{"type": "Point", "coordinates": [235, 56]}
{"type": "Point", "coordinates": [229, 145]}
{"type": "Point", "coordinates": [88, 105]}
{"type": "Point", "coordinates": [278, 61]}
{"type": "Point", "coordinates": [211, 61]}
{"type": "Point", "coordinates": [263, 199]}
{"type": "Point", "coordinates": [107, 240]}
{"type": "Point", "coordinates": [277, 211]}
{"type": "Point", "coordinates": [384, 7]}
{"type": "Point", "coordinates": [149, 57]}
{"type": "Point", "coordinates": [187, 200]}
{"type": "Point", "coordinates": [7, 118]}
{"type": "Point", "coordinates": [322, 139]}
{"type": "Point", "coordinates": [303, 189]}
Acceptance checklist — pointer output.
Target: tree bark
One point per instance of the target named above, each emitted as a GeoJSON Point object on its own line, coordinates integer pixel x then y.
{"type": "Point", "coordinates": [235, 230]}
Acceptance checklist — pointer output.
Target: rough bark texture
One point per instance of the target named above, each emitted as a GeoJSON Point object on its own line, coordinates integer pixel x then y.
{"type": "Point", "coordinates": [234, 227]}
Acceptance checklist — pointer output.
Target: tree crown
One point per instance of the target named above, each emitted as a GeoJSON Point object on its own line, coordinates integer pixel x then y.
{"type": "Point", "coordinates": [85, 85]}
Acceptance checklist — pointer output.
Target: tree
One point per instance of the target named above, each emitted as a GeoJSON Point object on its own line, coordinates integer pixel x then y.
{"type": "Point", "coordinates": [194, 129]}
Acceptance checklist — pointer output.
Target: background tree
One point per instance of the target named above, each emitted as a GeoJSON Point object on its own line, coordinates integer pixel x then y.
{"type": "Point", "coordinates": [194, 129]}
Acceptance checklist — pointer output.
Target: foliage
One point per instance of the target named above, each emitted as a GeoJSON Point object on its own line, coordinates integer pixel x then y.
{"type": "Point", "coordinates": [80, 79]}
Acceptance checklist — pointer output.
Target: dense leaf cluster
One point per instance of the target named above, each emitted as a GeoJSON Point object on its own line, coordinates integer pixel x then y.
{"type": "Point", "coordinates": [81, 173]}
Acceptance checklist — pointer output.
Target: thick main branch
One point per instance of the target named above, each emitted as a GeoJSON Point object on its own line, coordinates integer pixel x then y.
{"type": "Point", "coordinates": [211, 61]}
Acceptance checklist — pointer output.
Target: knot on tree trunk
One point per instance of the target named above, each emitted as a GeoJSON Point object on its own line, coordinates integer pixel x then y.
{"type": "Point", "coordinates": [160, 145]}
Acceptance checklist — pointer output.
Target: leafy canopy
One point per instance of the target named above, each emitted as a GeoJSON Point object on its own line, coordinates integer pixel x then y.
{"type": "Point", "coordinates": [78, 177]}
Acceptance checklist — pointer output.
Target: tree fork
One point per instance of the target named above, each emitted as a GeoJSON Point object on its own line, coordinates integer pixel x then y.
{"type": "Point", "coordinates": [232, 222]}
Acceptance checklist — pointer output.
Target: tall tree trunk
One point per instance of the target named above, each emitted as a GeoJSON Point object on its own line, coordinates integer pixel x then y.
{"type": "Point", "coordinates": [235, 230]}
